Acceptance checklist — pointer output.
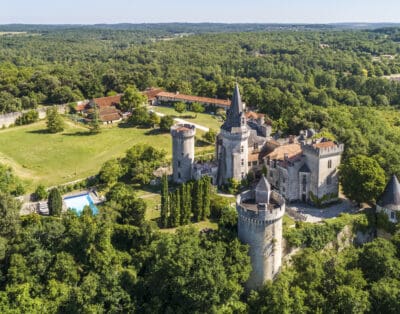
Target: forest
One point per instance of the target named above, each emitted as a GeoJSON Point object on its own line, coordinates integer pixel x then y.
{"type": "Point", "coordinates": [332, 79]}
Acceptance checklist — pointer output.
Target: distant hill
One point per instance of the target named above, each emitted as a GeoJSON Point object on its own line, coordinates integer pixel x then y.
{"type": "Point", "coordinates": [192, 27]}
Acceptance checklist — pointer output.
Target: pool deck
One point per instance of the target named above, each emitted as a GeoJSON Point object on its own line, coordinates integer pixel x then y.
{"type": "Point", "coordinates": [42, 209]}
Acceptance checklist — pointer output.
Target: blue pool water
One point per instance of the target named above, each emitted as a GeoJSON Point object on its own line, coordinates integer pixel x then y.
{"type": "Point", "coordinates": [78, 202]}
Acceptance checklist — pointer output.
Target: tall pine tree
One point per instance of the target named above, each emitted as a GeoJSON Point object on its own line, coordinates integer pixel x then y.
{"type": "Point", "coordinates": [205, 213]}
{"type": "Point", "coordinates": [197, 202]}
{"type": "Point", "coordinates": [164, 202]}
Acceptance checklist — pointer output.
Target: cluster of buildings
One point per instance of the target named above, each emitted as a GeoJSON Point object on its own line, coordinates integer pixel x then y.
{"type": "Point", "coordinates": [109, 113]}
{"type": "Point", "coordinates": [107, 108]}
{"type": "Point", "coordinates": [297, 168]}
{"type": "Point", "coordinates": [301, 168]}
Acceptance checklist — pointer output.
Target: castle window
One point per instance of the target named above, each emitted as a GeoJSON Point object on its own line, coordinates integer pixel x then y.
{"type": "Point", "coordinates": [242, 175]}
{"type": "Point", "coordinates": [392, 215]}
{"type": "Point", "coordinates": [283, 180]}
{"type": "Point", "coordinates": [179, 175]}
{"type": "Point", "coordinates": [242, 162]}
{"type": "Point", "coordinates": [179, 163]}
{"type": "Point", "coordinates": [249, 163]}
{"type": "Point", "coordinates": [304, 179]}
{"type": "Point", "coordinates": [243, 121]}
{"type": "Point", "coordinates": [241, 149]}
{"type": "Point", "coordinates": [329, 180]}
{"type": "Point", "coordinates": [255, 163]}
{"type": "Point", "coordinates": [329, 163]}
{"type": "Point", "coordinates": [255, 146]}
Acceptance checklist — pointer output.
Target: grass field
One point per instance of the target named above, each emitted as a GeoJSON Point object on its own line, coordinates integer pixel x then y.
{"type": "Point", "coordinates": [202, 119]}
{"type": "Point", "coordinates": [52, 159]}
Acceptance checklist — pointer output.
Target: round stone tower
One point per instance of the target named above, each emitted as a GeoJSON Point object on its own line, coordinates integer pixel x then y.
{"type": "Point", "coordinates": [260, 214]}
{"type": "Point", "coordinates": [183, 136]}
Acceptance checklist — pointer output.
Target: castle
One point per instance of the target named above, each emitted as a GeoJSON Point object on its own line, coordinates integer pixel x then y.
{"type": "Point", "coordinates": [301, 168]}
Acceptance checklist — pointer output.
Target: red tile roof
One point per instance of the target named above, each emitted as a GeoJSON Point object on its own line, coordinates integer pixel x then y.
{"type": "Point", "coordinates": [107, 101]}
{"type": "Point", "coordinates": [254, 115]}
{"type": "Point", "coordinates": [109, 114]}
{"type": "Point", "coordinates": [324, 144]}
{"type": "Point", "coordinates": [190, 98]}
{"type": "Point", "coordinates": [152, 92]}
{"type": "Point", "coordinates": [292, 151]}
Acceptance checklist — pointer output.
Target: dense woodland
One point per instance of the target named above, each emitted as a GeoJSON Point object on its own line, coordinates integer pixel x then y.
{"type": "Point", "coordinates": [327, 78]}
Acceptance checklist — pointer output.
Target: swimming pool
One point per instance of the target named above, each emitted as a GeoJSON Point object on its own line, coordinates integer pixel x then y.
{"type": "Point", "coordinates": [78, 202]}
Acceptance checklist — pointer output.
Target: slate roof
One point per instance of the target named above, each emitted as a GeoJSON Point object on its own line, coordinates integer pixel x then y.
{"type": "Point", "coordinates": [235, 112]}
{"type": "Point", "coordinates": [263, 185]}
{"type": "Point", "coordinates": [304, 168]}
{"type": "Point", "coordinates": [390, 197]}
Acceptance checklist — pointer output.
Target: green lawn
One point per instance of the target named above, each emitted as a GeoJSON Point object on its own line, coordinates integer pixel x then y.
{"type": "Point", "coordinates": [203, 119]}
{"type": "Point", "coordinates": [53, 159]}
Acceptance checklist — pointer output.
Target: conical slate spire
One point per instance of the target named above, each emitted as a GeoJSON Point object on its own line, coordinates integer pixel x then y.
{"type": "Point", "coordinates": [390, 197]}
{"type": "Point", "coordinates": [263, 191]}
{"type": "Point", "coordinates": [234, 117]}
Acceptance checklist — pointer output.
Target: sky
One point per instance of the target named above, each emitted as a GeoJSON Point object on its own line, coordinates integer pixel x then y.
{"type": "Point", "coordinates": [222, 11]}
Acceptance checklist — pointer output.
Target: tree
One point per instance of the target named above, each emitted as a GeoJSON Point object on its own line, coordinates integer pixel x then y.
{"type": "Point", "coordinates": [9, 215]}
{"type": "Point", "coordinates": [197, 200]}
{"type": "Point", "coordinates": [362, 178]}
{"type": "Point", "coordinates": [94, 125]}
{"type": "Point", "coordinates": [164, 212]}
{"type": "Point", "coordinates": [165, 123]}
{"type": "Point", "coordinates": [132, 99]}
{"type": "Point", "coordinates": [174, 209]}
{"type": "Point", "coordinates": [210, 136]}
{"type": "Point", "coordinates": [188, 272]}
{"type": "Point", "coordinates": [140, 162]}
{"type": "Point", "coordinates": [378, 259]}
{"type": "Point", "coordinates": [197, 108]}
{"type": "Point", "coordinates": [27, 117]}
{"type": "Point", "coordinates": [385, 296]}
{"type": "Point", "coordinates": [140, 117]}
{"type": "Point", "coordinates": [180, 107]}
{"type": "Point", "coordinates": [54, 202]}
{"type": "Point", "coordinates": [110, 172]}
{"type": "Point", "coordinates": [40, 193]}
{"type": "Point", "coordinates": [55, 123]}
{"type": "Point", "coordinates": [205, 212]}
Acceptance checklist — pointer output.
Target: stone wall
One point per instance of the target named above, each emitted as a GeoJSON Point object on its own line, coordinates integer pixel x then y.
{"type": "Point", "coordinates": [9, 119]}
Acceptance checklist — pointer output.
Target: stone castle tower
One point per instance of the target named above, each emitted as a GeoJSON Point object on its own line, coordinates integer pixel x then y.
{"type": "Point", "coordinates": [323, 160]}
{"type": "Point", "coordinates": [232, 142]}
{"type": "Point", "coordinates": [260, 214]}
{"type": "Point", "coordinates": [183, 137]}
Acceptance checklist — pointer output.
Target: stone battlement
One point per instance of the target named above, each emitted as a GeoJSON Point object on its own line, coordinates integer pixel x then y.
{"type": "Point", "coordinates": [260, 213]}
{"type": "Point", "coordinates": [334, 149]}
{"type": "Point", "coordinates": [183, 130]}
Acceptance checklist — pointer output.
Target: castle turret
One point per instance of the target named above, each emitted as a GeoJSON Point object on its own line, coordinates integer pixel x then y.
{"type": "Point", "coordinates": [260, 213]}
{"type": "Point", "coordinates": [183, 136]}
{"type": "Point", "coordinates": [232, 142]}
